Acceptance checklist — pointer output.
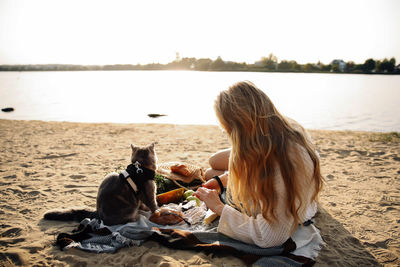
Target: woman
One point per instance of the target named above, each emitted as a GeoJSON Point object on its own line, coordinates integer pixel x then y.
{"type": "Point", "coordinates": [272, 173]}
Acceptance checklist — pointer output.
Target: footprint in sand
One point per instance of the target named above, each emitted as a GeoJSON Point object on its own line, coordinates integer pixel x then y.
{"type": "Point", "coordinates": [13, 232]}
{"type": "Point", "coordinates": [374, 154]}
{"type": "Point", "coordinates": [11, 241]}
{"type": "Point", "coordinates": [30, 173]}
{"type": "Point", "coordinates": [25, 165]}
{"type": "Point", "coordinates": [15, 191]}
{"type": "Point", "coordinates": [75, 177]}
{"type": "Point", "coordinates": [151, 259]}
{"type": "Point", "coordinates": [25, 211]}
{"type": "Point", "coordinates": [58, 156]}
{"type": "Point", "coordinates": [362, 153]}
{"type": "Point", "coordinates": [24, 193]}
{"type": "Point", "coordinates": [24, 186]}
{"type": "Point", "coordinates": [72, 191]}
{"type": "Point", "coordinates": [34, 193]}
{"type": "Point", "coordinates": [78, 186]}
{"type": "Point", "coordinates": [10, 257]}
{"type": "Point", "coordinates": [33, 249]}
{"type": "Point", "coordinates": [343, 152]}
{"type": "Point", "coordinates": [330, 176]}
{"type": "Point", "coordinates": [385, 256]}
{"type": "Point", "coordinates": [388, 201]}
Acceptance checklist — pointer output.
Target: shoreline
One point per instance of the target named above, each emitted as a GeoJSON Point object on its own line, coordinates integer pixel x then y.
{"type": "Point", "coordinates": [395, 133]}
{"type": "Point", "coordinates": [45, 165]}
{"type": "Point", "coordinates": [3, 68]}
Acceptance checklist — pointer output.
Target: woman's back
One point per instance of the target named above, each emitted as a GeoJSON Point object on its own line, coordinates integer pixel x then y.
{"type": "Point", "coordinates": [274, 174]}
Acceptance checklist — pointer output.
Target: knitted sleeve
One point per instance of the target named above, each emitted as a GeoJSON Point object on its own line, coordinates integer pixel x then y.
{"type": "Point", "coordinates": [252, 230]}
{"type": "Point", "coordinates": [257, 230]}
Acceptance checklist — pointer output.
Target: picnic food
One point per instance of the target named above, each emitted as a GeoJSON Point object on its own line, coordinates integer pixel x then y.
{"type": "Point", "coordinates": [188, 193]}
{"type": "Point", "coordinates": [195, 199]}
{"type": "Point", "coordinates": [180, 169]}
{"type": "Point", "coordinates": [166, 216]}
{"type": "Point", "coordinates": [210, 217]}
{"type": "Point", "coordinates": [170, 196]}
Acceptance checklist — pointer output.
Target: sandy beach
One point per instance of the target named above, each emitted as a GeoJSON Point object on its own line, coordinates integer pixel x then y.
{"type": "Point", "coordinates": [46, 165]}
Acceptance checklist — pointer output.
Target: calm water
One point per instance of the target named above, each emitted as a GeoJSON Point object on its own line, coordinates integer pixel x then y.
{"type": "Point", "coordinates": [318, 101]}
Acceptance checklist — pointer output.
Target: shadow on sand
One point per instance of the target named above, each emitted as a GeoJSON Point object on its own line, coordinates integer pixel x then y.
{"type": "Point", "coordinates": [342, 248]}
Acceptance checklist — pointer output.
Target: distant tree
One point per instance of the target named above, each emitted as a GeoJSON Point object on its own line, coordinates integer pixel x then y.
{"type": "Point", "coordinates": [230, 65]}
{"type": "Point", "coordinates": [393, 61]}
{"type": "Point", "coordinates": [295, 66]}
{"type": "Point", "coordinates": [335, 68]}
{"type": "Point", "coordinates": [187, 63]}
{"type": "Point", "coordinates": [218, 64]}
{"type": "Point", "coordinates": [386, 65]}
{"type": "Point", "coordinates": [358, 68]}
{"type": "Point", "coordinates": [378, 66]}
{"type": "Point", "coordinates": [369, 65]}
{"type": "Point", "coordinates": [202, 64]}
{"type": "Point", "coordinates": [309, 67]}
{"type": "Point", "coordinates": [326, 67]}
{"type": "Point", "coordinates": [291, 65]}
{"type": "Point", "coordinates": [270, 62]}
{"type": "Point", "coordinates": [350, 66]}
{"type": "Point", "coordinates": [285, 65]}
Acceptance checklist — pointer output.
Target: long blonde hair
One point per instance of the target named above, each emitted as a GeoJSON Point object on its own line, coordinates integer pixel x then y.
{"type": "Point", "coordinates": [261, 143]}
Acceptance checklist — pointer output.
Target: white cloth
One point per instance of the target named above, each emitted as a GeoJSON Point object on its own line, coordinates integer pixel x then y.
{"type": "Point", "coordinates": [308, 241]}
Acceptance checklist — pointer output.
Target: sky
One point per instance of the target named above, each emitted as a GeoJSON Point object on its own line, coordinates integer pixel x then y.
{"type": "Point", "coordinates": [150, 31]}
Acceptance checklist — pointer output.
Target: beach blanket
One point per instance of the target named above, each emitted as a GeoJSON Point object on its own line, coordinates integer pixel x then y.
{"type": "Point", "coordinates": [93, 236]}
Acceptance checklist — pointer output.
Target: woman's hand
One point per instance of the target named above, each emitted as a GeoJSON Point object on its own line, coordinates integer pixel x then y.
{"type": "Point", "coordinates": [211, 198]}
{"type": "Point", "coordinates": [212, 184]}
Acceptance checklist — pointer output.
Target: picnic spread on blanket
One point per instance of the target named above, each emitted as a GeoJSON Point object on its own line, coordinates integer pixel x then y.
{"type": "Point", "coordinates": [185, 222]}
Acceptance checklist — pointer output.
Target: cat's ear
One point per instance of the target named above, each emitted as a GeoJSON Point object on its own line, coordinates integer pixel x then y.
{"type": "Point", "coordinates": [151, 147]}
{"type": "Point", "coordinates": [134, 148]}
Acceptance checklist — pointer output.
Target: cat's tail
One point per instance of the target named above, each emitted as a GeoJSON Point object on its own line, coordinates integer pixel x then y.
{"type": "Point", "coordinates": [73, 214]}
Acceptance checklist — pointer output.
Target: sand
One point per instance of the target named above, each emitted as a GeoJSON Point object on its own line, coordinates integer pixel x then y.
{"type": "Point", "coordinates": [45, 165]}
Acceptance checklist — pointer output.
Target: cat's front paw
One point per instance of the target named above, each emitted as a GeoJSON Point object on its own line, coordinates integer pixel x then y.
{"type": "Point", "coordinates": [144, 207]}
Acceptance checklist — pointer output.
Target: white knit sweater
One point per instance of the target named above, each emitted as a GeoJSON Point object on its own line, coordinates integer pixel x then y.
{"type": "Point", "coordinates": [257, 230]}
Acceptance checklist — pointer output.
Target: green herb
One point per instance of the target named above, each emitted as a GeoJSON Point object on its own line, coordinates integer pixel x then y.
{"type": "Point", "coordinates": [164, 184]}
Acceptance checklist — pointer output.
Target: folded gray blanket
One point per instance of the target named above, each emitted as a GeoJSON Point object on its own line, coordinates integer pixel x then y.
{"type": "Point", "coordinates": [93, 236]}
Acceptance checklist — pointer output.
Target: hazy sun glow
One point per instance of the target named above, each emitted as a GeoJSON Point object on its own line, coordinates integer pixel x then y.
{"type": "Point", "coordinates": [130, 32]}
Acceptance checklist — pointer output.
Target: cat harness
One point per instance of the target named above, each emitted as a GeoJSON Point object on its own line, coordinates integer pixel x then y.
{"type": "Point", "coordinates": [136, 176]}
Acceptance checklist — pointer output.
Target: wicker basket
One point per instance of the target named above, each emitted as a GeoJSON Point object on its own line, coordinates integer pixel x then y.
{"type": "Point", "coordinates": [196, 173]}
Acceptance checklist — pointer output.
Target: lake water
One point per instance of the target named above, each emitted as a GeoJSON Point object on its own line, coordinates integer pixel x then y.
{"type": "Point", "coordinates": [318, 101]}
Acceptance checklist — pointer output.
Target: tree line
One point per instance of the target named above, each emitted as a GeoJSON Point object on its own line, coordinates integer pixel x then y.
{"type": "Point", "coordinates": [265, 64]}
